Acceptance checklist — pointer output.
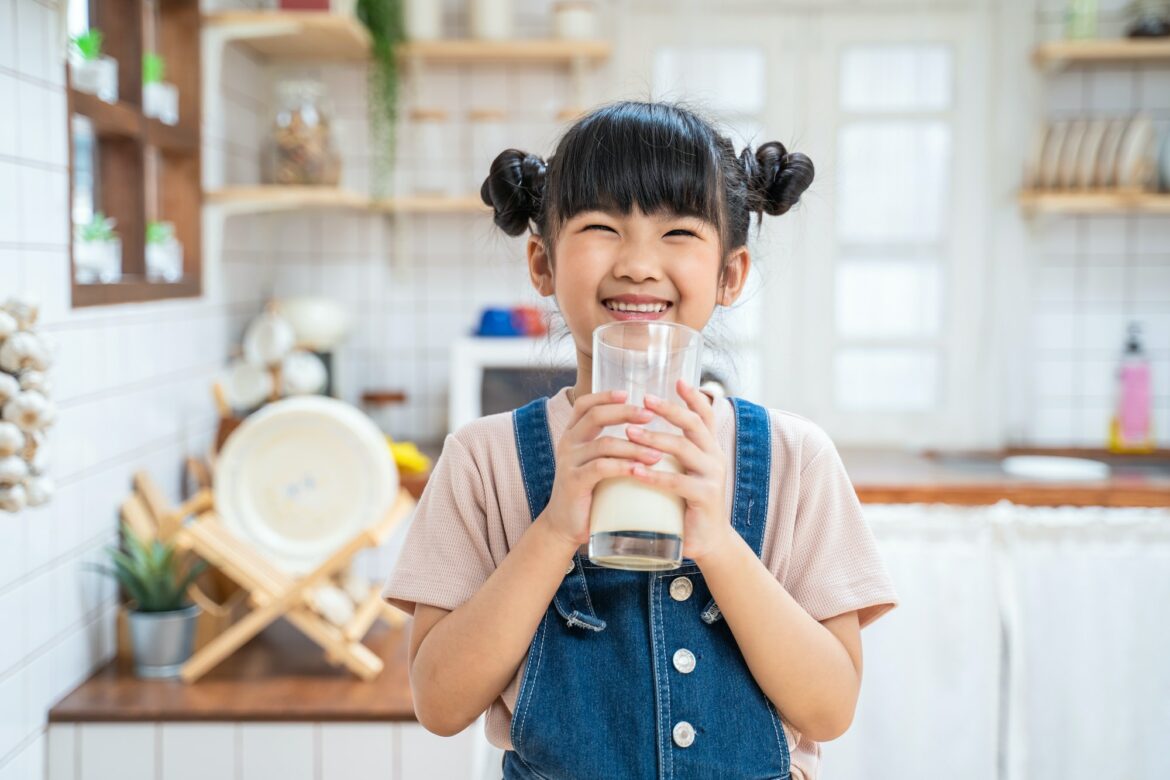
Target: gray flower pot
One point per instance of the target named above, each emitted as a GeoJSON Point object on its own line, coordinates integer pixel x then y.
{"type": "Point", "coordinates": [162, 641]}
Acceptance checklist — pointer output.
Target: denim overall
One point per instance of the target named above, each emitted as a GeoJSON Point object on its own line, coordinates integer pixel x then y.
{"type": "Point", "coordinates": [636, 674]}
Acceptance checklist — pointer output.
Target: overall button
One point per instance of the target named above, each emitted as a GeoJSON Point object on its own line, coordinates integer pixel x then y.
{"type": "Point", "coordinates": [684, 734]}
{"type": "Point", "coordinates": [681, 588]}
{"type": "Point", "coordinates": [684, 661]}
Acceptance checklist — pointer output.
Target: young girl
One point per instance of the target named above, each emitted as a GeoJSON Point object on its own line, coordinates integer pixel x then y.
{"type": "Point", "coordinates": [734, 665]}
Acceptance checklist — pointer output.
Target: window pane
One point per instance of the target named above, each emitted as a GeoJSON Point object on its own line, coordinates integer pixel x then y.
{"type": "Point", "coordinates": [895, 78]}
{"type": "Point", "coordinates": [886, 379]}
{"type": "Point", "coordinates": [893, 179]}
{"type": "Point", "coordinates": [887, 299]}
{"type": "Point", "coordinates": [727, 80]}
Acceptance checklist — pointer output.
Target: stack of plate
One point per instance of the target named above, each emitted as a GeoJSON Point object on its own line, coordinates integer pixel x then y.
{"type": "Point", "coordinates": [1093, 154]}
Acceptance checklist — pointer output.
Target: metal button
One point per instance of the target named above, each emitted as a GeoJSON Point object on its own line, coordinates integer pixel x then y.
{"type": "Point", "coordinates": [684, 734]}
{"type": "Point", "coordinates": [681, 588]}
{"type": "Point", "coordinates": [684, 661]}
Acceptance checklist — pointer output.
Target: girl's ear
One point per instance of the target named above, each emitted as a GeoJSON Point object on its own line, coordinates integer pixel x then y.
{"type": "Point", "coordinates": [540, 266]}
{"type": "Point", "coordinates": [735, 274]}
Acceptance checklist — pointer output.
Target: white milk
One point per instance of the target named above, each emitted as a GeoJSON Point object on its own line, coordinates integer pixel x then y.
{"type": "Point", "coordinates": [625, 504]}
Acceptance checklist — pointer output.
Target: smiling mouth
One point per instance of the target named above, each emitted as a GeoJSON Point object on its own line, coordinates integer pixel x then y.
{"type": "Point", "coordinates": [636, 308]}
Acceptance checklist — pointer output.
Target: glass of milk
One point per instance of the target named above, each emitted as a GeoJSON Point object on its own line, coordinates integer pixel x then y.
{"type": "Point", "coordinates": [633, 525]}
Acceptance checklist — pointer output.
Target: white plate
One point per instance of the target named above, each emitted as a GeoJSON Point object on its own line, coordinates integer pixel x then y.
{"type": "Point", "coordinates": [1107, 157]}
{"type": "Point", "coordinates": [1071, 153]}
{"type": "Point", "coordinates": [1053, 468]}
{"type": "Point", "coordinates": [1090, 148]}
{"type": "Point", "coordinates": [302, 476]}
{"type": "Point", "coordinates": [1135, 162]}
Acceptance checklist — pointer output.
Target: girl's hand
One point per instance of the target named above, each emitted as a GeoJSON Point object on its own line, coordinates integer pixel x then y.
{"type": "Point", "coordinates": [584, 459]}
{"type": "Point", "coordinates": [706, 526]}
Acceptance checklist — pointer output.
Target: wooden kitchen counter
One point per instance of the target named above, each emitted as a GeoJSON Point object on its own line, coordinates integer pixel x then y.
{"type": "Point", "coordinates": [883, 476]}
{"type": "Point", "coordinates": [278, 676]}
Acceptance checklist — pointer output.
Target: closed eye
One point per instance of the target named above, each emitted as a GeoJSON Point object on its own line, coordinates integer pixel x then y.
{"type": "Point", "coordinates": [603, 227]}
{"type": "Point", "coordinates": [682, 232]}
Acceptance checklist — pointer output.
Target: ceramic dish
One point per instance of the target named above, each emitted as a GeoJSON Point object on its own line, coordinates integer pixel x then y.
{"type": "Point", "coordinates": [1035, 157]}
{"type": "Point", "coordinates": [302, 476]}
{"type": "Point", "coordinates": [1107, 156]}
{"type": "Point", "coordinates": [1070, 154]}
{"type": "Point", "coordinates": [1135, 161]}
{"type": "Point", "coordinates": [1090, 149]}
{"type": "Point", "coordinates": [1053, 468]}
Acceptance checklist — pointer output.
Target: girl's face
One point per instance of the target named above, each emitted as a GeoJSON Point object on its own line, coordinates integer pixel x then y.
{"type": "Point", "coordinates": [607, 264]}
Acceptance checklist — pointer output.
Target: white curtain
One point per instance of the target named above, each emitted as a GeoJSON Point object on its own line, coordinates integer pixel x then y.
{"type": "Point", "coordinates": [1030, 643]}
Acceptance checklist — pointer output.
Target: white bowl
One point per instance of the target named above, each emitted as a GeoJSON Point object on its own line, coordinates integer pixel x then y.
{"type": "Point", "coordinates": [1051, 468]}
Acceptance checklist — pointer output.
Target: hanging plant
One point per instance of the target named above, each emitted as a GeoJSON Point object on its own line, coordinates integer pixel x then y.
{"type": "Point", "coordinates": [383, 19]}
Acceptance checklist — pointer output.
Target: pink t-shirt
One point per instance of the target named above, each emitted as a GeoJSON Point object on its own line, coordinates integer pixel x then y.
{"type": "Point", "coordinates": [474, 510]}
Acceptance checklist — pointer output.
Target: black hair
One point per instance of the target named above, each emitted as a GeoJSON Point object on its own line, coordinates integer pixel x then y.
{"type": "Point", "coordinates": [658, 156]}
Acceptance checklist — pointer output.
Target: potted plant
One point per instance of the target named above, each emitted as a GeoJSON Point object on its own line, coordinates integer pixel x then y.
{"type": "Point", "coordinates": [164, 253]}
{"type": "Point", "coordinates": [1149, 19]}
{"type": "Point", "coordinates": [160, 99]}
{"type": "Point", "coordinates": [162, 619]}
{"type": "Point", "coordinates": [97, 255]}
{"type": "Point", "coordinates": [91, 71]}
{"type": "Point", "coordinates": [383, 19]}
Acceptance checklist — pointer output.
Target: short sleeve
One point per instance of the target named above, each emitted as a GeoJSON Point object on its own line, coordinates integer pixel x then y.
{"type": "Point", "coordinates": [835, 566]}
{"type": "Point", "coordinates": [445, 557]}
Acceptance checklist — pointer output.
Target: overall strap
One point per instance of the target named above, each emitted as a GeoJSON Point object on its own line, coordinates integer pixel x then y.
{"type": "Point", "coordinates": [753, 472]}
{"type": "Point", "coordinates": [538, 467]}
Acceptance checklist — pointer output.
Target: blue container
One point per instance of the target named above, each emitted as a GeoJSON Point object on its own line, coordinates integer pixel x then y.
{"type": "Point", "coordinates": [497, 322]}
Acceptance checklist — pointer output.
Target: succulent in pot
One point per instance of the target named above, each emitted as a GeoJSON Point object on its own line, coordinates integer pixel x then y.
{"type": "Point", "coordinates": [162, 619]}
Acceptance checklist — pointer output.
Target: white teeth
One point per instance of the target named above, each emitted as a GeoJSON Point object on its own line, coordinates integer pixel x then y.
{"type": "Point", "coordinates": [639, 307]}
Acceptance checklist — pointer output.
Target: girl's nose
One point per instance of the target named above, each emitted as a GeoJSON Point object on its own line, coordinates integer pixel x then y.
{"type": "Point", "coordinates": [637, 264]}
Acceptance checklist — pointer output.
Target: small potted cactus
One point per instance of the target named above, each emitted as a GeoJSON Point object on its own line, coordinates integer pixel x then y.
{"type": "Point", "coordinates": [162, 619]}
{"type": "Point", "coordinates": [160, 99]}
{"type": "Point", "coordinates": [97, 251]}
{"type": "Point", "coordinates": [91, 71]}
{"type": "Point", "coordinates": [164, 253]}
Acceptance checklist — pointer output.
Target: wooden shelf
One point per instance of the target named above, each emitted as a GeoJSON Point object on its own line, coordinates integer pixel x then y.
{"type": "Point", "coordinates": [260, 199]}
{"type": "Point", "coordinates": [117, 120]}
{"type": "Point", "coordinates": [1058, 53]}
{"type": "Point", "coordinates": [133, 291]}
{"type": "Point", "coordinates": [1095, 202]}
{"type": "Point", "coordinates": [293, 34]}
{"type": "Point", "coordinates": [517, 51]}
{"type": "Point", "coordinates": [325, 36]}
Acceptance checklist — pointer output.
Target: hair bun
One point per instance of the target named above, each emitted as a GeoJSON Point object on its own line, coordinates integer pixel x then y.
{"type": "Point", "coordinates": [515, 189]}
{"type": "Point", "coordinates": [776, 179]}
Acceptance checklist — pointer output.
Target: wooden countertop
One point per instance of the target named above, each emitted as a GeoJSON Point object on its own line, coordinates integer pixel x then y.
{"type": "Point", "coordinates": [891, 477]}
{"type": "Point", "coordinates": [278, 676]}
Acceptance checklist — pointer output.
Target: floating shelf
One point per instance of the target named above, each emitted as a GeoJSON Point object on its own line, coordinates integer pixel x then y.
{"type": "Point", "coordinates": [293, 34]}
{"type": "Point", "coordinates": [1059, 53]}
{"type": "Point", "coordinates": [516, 51]}
{"type": "Point", "coordinates": [325, 36]}
{"type": "Point", "coordinates": [1095, 202]}
{"type": "Point", "coordinates": [263, 199]}
{"type": "Point", "coordinates": [119, 120]}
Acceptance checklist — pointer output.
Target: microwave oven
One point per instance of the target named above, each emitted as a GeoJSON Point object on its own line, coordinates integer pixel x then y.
{"type": "Point", "coordinates": [499, 374]}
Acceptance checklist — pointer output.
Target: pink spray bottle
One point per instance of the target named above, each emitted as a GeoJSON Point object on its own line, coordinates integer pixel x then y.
{"type": "Point", "coordinates": [1132, 430]}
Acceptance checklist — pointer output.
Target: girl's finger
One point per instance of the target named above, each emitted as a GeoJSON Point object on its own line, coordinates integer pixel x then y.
{"type": "Point", "coordinates": [602, 416]}
{"type": "Point", "coordinates": [686, 420]}
{"type": "Point", "coordinates": [590, 400]}
{"type": "Point", "coordinates": [699, 403]}
{"type": "Point", "coordinates": [697, 490]}
{"type": "Point", "coordinates": [692, 459]}
{"type": "Point", "coordinates": [613, 447]}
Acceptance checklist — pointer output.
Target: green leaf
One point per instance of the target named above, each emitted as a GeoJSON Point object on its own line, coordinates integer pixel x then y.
{"type": "Point", "coordinates": [384, 20]}
{"type": "Point", "coordinates": [153, 68]}
{"type": "Point", "coordinates": [89, 44]}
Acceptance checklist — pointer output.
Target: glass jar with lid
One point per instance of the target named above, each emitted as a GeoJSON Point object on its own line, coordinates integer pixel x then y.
{"type": "Point", "coordinates": [299, 149]}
